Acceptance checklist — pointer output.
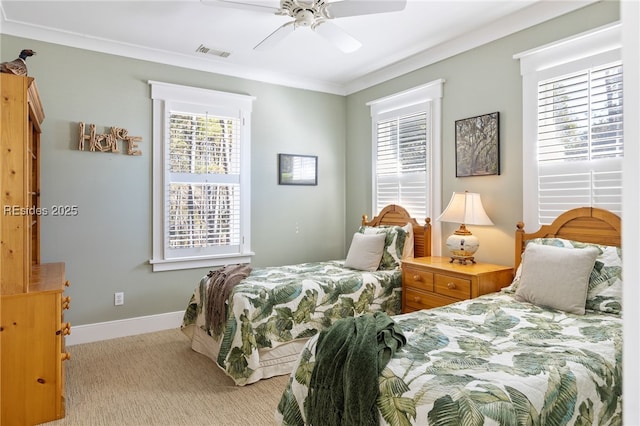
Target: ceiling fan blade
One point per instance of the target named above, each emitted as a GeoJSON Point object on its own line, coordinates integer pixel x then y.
{"type": "Point", "coordinates": [338, 37]}
{"type": "Point", "coordinates": [257, 5]}
{"type": "Point", "coordinates": [345, 8]}
{"type": "Point", "coordinates": [276, 36]}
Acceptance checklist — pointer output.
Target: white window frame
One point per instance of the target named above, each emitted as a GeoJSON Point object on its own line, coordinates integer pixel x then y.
{"type": "Point", "coordinates": [583, 51]}
{"type": "Point", "coordinates": [423, 98]}
{"type": "Point", "coordinates": [164, 95]}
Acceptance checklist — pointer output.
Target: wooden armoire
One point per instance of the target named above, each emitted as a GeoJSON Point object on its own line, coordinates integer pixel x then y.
{"type": "Point", "coordinates": [32, 302]}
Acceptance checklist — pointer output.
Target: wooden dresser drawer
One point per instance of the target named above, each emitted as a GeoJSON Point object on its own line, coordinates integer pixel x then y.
{"type": "Point", "coordinates": [415, 300]}
{"type": "Point", "coordinates": [416, 278]}
{"type": "Point", "coordinates": [458, 288]}
{"type": "Point", "coordinates": [433, 281]}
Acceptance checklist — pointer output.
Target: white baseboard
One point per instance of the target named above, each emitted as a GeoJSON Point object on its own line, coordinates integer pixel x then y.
{"type": "Point", "coordinates": [121, 328]}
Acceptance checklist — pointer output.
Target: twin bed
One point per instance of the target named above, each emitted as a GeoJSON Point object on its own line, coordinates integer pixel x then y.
{"type": "Point", "coordinates": [275, 310]}
{"type": "Point", "coordinates": [508, 357]}
{"type": "Point", "coordinates": [546, 350]}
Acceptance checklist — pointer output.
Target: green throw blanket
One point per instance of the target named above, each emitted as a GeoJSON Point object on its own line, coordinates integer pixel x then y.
{"type": "Point", "coordinates": [350, 355]}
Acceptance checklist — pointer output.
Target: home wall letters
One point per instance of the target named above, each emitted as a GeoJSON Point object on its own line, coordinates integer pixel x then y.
{"type": "Point", "coordinates": [108, 142]}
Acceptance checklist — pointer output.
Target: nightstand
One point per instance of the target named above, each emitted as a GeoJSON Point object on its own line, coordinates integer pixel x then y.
{"type": "Point", "coordinates": [429, 282]}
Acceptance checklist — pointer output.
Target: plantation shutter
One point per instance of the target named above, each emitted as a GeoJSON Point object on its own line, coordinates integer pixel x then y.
{"type": "Point", "coordinates": [401, 162]}
{"type": "Point", "coordinates": [580, 141]}
{"type": "Point", "coordinates": [202, 184]}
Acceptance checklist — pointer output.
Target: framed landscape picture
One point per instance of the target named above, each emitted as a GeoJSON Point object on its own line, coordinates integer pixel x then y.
{"type": "Point", "coordinates": [297, 169]}
{"type": "Point", "coordinates": [478, 145]}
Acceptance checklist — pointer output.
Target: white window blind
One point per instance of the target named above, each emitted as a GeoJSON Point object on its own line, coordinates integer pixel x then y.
{"type": "Point", "coordinates": [401, 162]}
{"type": "Point", "coordinates": [572, 118]}
{"type": "Point", "coordinates": [580, 141]}
{"type": "Point", "coordinates": [203, 185]}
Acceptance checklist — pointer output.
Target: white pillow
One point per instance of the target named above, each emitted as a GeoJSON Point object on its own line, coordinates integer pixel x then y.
{"type": "Point", "coordinates": [556, 277]}
{"type": "Point", "coordinates": [393, 246]}
{"type": "Point", "coordinates": [365, 251]}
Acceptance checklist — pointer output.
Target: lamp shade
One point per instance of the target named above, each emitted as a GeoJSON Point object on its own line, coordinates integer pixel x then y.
{"type": "Point", "coordinates": [465, 208]}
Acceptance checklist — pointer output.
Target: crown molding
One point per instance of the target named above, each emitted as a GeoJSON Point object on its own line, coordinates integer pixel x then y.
{"type": "Point", "coordinates": [518, 21]}
{"type": "Point", "coordinates": [83, 41]}
{"type": "Point", "coordinates": [533, 15]}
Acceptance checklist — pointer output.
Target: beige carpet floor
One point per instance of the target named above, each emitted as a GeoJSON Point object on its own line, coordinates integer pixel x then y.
{"type": "Point", "coordinates": [156, 379]}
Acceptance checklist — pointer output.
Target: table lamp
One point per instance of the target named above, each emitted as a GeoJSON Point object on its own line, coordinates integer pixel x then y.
{"type": "Point", "coordinates": [464, 208]}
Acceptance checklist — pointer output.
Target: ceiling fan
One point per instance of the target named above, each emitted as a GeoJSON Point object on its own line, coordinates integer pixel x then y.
{"type": "Point", "coordinates": [317, 15]}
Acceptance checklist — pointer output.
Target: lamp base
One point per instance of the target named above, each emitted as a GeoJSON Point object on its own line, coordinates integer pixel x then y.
{"type": "Point", "coordinates": [462, 246]}
{"type": "Point", "coordinates": [462, 259]}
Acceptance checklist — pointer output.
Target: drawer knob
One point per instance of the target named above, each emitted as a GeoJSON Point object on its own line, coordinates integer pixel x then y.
{"type": "Point", "coordinates": [66, 302]}
{"type": "Point", "coordinates": [66, 283]}
{"type": "Point", "coordinates": [66, 328]}
{"type": "Point", "coordinates": [451, 286]}
{"type": "Point", "coordinates": [417, 278]}
{"type": "Point", "coordinates": [66, 356]}
{"type": "Point", "coordinates": [416, 299]}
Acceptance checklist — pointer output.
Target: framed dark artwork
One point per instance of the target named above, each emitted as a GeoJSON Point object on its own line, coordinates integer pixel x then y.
{"type": "Point", "coordinates": [297, 169]}
{"type": "Point", "coordinates": [478, 145]}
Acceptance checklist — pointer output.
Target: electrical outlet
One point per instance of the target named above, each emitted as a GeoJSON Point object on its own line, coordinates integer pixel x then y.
{"type": "Point", "coordinates": [118, 299]}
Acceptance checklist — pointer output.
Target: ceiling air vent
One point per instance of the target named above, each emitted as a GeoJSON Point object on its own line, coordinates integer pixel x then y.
{"type": "Point", "coordinates": [208, 51]}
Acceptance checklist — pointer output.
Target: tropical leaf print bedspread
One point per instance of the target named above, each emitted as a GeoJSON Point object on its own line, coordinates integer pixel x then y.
{"type": "Point", "coordinates": [492, 360]}
{"type": "Point", "coordinates": [274, 305]}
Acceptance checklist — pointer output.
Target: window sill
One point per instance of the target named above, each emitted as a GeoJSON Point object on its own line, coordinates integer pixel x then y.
{"type": "Point", "coordinates": [160, 265]}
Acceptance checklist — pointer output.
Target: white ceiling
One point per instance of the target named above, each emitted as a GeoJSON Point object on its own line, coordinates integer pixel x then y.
{"type": "Point", "coordinates": [171, 32]}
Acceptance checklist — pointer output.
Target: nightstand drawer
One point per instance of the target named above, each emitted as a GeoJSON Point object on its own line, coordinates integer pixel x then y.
{"type": "Point", "coordinates": [415, 300]}
{"type": "Point", "coordinates": [416, 278]}
{"type": "Point", "coordinates": [432, 281]}
{"type": "Point", "coordinates": [458, 288]}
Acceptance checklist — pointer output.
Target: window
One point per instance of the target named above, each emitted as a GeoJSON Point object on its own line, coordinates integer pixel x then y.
{"type": "Point", "coordinates": [406, 150]}
{"type": "Point", "coordinates": [201, 174]}
{"type": "Point", "coordinates": [580, 141]}
{"type": "Point", "coordinates": [572, 126]}
{"type": "Point", "coordinates": [401, 162]}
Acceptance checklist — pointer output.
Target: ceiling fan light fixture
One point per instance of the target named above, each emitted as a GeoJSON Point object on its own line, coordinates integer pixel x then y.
{"type": "Point", "coordinates": [316, 14]}
{"type": "Point", "coordinates": [305, 18]}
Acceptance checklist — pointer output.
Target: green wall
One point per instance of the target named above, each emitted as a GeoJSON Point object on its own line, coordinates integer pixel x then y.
{"type": "Point", "coordinates": [480, 81]}
{"type": "Point", "coordinates": [107, 246]}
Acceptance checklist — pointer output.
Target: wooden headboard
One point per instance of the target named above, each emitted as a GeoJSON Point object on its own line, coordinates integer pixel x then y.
{"type": "Point", "coordinates": [585, 224]}
{"type": "Point", "coordinates": [394, 214]}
